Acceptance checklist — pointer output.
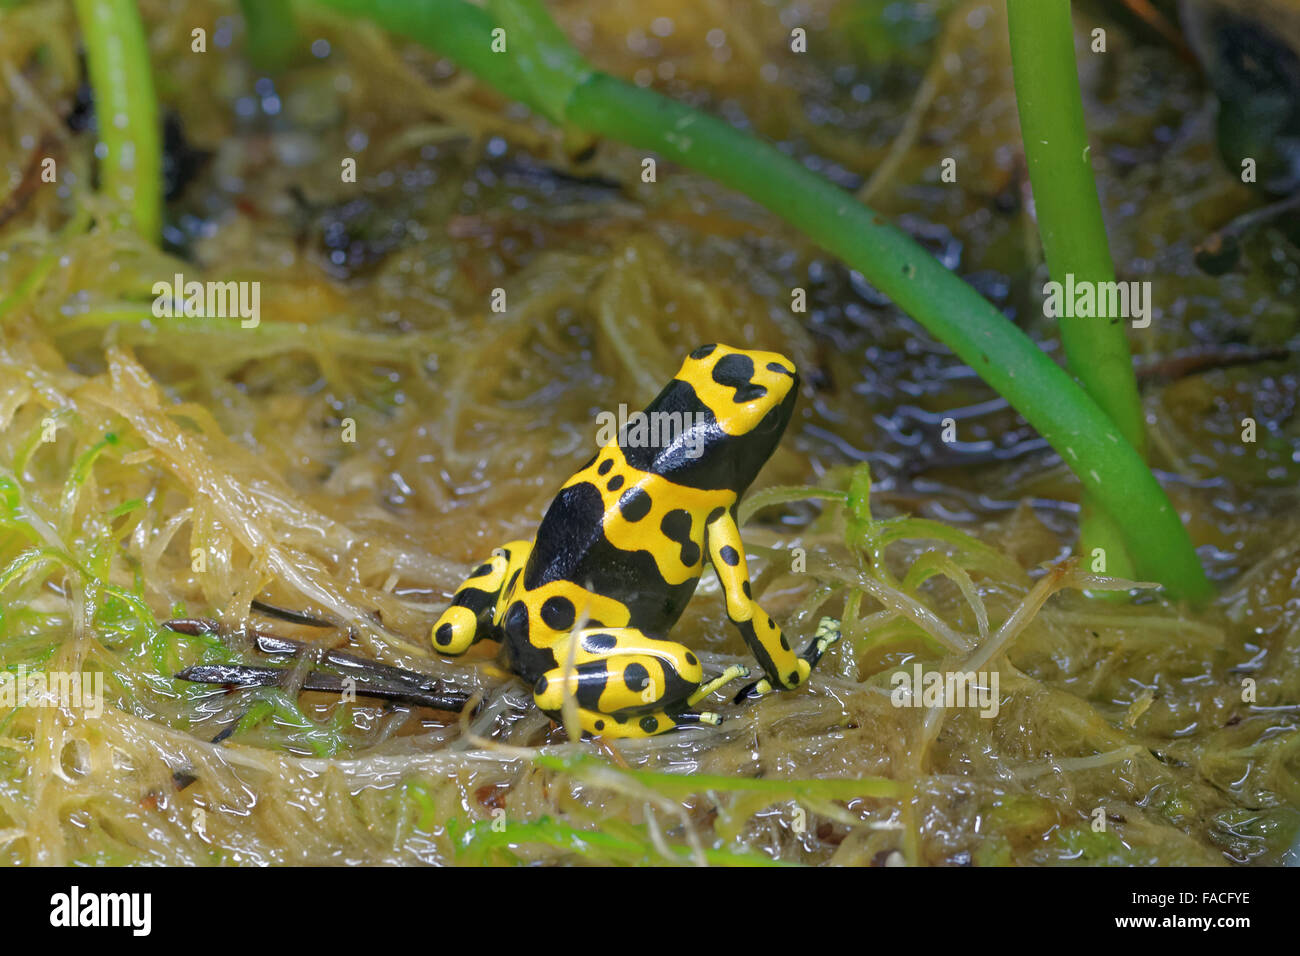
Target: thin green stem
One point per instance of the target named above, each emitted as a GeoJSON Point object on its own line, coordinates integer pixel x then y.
{"type": "Point", "coordinates": [272, 33]}
{"type": "Point", "coordinates": [599, 104]}
{"type": "Point", "coordinates": [1073, 233]}
{"type": "Point", "coordinates": [117, 57]}
{"type": "Point", "coordinates": [454, 28]}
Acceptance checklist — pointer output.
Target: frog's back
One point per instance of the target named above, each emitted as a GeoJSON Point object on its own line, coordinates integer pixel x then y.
{"type": "Point", "coordinates": [631, 524]}
{"type": "Point", "coordinates": [622, 534]}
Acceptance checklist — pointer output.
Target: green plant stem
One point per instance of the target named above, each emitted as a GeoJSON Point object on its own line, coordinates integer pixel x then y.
{"type": "Point", "coordinates": [454, 28]}
{"type": "Point", "coordinates": [272, 33]}
{"type": "Point", "coordinates": [117, 57]}
{"type": "Point", "coordinates": [951, 310]}
{"type": "Point", "coordinates": [1073, 233]}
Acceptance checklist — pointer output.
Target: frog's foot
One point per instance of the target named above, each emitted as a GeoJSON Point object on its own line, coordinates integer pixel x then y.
{"type": "Point", "coordinates": [753, 691]}
{"type": "Point", "coordinates": [734, 672]}
{"type": "Point", "coordinates": [827, 633]}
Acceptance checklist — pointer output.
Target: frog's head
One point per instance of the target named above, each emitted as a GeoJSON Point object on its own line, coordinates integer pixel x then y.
{"type": "Point", "coordinates": [736, 404]}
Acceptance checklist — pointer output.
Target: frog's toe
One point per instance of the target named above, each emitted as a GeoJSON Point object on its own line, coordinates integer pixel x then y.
{"type": "Point", "coordinates": [752, 691]}
{"type": "Point", "coordinates": [734, 672]}
{"type": "Point", "coordinates": [828, 632]}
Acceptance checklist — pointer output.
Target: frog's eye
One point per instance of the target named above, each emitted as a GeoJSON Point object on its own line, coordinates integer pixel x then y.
{"type": "Point", "coordinates": [704, 351]}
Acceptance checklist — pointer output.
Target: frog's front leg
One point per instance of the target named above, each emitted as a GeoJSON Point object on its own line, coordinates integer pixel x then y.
{"type": "Point", "coordinates": [783, 667]}
{"type": "Point", "coordinates": [468, 619]}
{"type": "Point", "coordinates": [628, 684]}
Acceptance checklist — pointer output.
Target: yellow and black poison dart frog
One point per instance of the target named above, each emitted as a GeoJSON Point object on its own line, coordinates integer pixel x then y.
{"type": "Point", "coordinates": [586, 606]}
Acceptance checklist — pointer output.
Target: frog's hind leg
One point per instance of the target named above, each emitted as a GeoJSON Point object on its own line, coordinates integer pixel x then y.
{"type": "Point", "coordinates": [596, 724]}
{"type": "Point", "coordinates": [628, 684]}
{"type": "Point", "coordinates": [469, 618]}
